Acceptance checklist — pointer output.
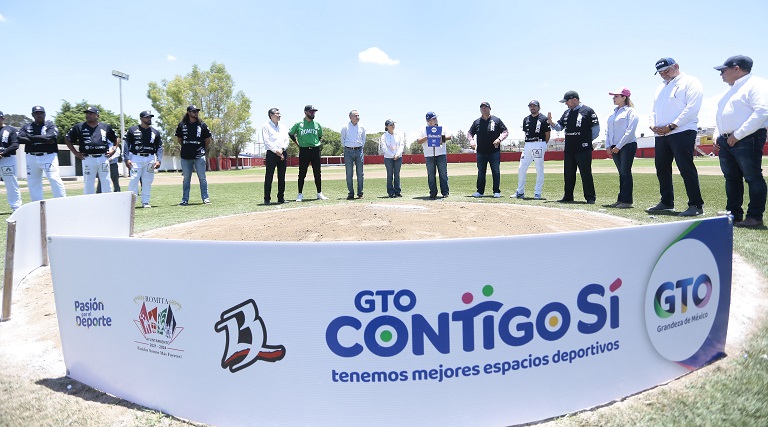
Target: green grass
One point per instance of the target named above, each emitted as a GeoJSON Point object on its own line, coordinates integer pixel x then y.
{"type": "Point", "coordinates": [733, 392]}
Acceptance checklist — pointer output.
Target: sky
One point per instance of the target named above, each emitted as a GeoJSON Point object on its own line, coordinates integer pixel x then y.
{"type": "Point", "coordinates": [395, 60]}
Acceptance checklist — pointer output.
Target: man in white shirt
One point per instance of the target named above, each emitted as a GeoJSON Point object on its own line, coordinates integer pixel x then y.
{"type": "Point", "coordinates": [435, 158]}
{"type": "Point", "coordinates": [742, 115]}
{"type": "Point", "coordinates": [675, 118]}
{"type": "Point", "coordinates": [353, 140]}
{"type": "Point", "coordinates": [276, 142]}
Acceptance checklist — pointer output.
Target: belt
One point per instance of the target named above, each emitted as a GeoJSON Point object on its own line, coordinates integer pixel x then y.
{"type": "Point", "coordinates": [310, 148]}
{"type": "Point", "coordinates": [352, 148]}
{"type": "Point", "coordinates": [726, 135]}
{"type": "Point", "coordinates": [38, 154]}
{"type": "Point", "coordinates": [144, 154]}
{"type": "Point", "coordinates": [94, 155]}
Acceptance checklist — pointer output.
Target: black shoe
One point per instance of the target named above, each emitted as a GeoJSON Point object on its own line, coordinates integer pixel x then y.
{"type": "Point", "coordinates": [360, 196]}
{"type": "Point", "coordinates": [350, 197]}
{"type": "Point", "coordinates": [183, 204]}
{"type": "Point", "coordinates": [433, 196]}
{"type": "Point", "coordinates": [564, 200]}
{"type": "Point", "coordinates": [391, 196]}
{"type": "Point", "coordinates": [660, 207]}
{"type": "Point", "coordinates": [749, 223]}
{"type": "Point", "coordinates": [267, 202]}
{"type": "Point", "coordinates": [445, 195]}
{"type": "Point", "coordinates": [398, 195]}
{"type": "Point", "coordinates": [590, 202]}
{"type": "Point", "coordinates": [692, 211]}
{"type": "Point", "coordinates": [280, 201]}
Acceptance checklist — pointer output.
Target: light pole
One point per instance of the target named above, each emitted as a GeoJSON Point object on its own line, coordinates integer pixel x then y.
{"type": "Point", "coordinates": [120, 77]}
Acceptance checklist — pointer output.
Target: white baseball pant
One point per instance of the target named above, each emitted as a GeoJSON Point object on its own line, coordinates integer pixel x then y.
{"type": "Point", "coordinates": [532, 152]}
{"type": "Point", "coordinates": [96, 165]}
{"type": "Point", "coordinates": [47, 164]}
{"type": "Point", "coordinates": [8, 171]}
{"type": "Point", "coordinates": [142, 170]}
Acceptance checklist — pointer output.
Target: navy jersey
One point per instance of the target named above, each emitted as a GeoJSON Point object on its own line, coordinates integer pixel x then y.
{"type": "Point", "coordinates": [535, 128]}
{"type": "Point", "coordinates": [39, 137]}
{"type": "Point", "coordinates": [193, 136]}
{"type": "Point", "coordinates": [139, 140]}
{"type": "Point", "coordinates": [9, 140]}
{"type": "Point", "coordinates": [486, 131]}
{"type": "Point", "coordinates": [578, 125]}
{"type": "Point", "coordinates": [92, 140]}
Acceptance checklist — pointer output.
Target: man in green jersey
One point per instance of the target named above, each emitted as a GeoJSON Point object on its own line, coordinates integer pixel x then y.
{"type": "Point", "coordinates": [307, 135]}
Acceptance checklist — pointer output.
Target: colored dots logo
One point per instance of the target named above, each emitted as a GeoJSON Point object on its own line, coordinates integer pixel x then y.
{"type": "Point", "coordinates": [386, 336]}
{"type": "Point", "coordinates": [467, 297]}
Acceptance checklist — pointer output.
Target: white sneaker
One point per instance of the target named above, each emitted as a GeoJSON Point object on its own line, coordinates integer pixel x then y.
{"type": "Point", "coordinates": [146, 205]}
{"type": "Point", "coordinates": [477, 194]}
{"type": "Point", "coordinates": [496, 195]}
{"type": "Point", "coordinates": [300, 197]}
{"type": "Point", "coordinates": [517, 195]}
{"type": "Point", "coordinates": [537, 196]}
{"type": "Point", "coordinates": [321, 196]}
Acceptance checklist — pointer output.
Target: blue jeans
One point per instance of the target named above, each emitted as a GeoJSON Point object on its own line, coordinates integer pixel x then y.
{"type": "Point", "coordinates": [483, 159]}
{"type": "Point", "coordinates": [393, 175]}
{"type": "Point", "coordinates": [354, 158]}
{"type": "Point", "coordinates": [678, 146]}
{"type": "Point", "coordinates": [437, 164]}
{"type": "Point", "coordinates": [623, 161]}
{"type": "Point", "coordinates": [740, 163]}
{"type": "Point", "coordinates": [186, 171]}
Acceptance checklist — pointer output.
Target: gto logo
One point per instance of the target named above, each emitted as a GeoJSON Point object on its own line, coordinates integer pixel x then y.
{"type": "Point", "coordinates": [699, 291]}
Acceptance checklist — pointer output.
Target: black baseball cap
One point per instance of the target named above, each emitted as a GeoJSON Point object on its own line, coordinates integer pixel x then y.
{"type": "Point", "coordinates": [485, 104]}
{"type": "Point", "coordinates": [309, 108]}
{"type": "Point", "coordinates": [192, 108]}
{"type": "Point", "coordinates": [743, 62]}
{"type": "Point", "coordinates": [664, 63]}
{"type": "Point", "coordinates": [571, 94]}
{"type": "Point", "coordinates": [146, 113]}
{"type": "Point", "coordinates": [534, 102]}
{"type": "Point", "coordinates": [38, 109]}
{"type": "Point", "coordinates": [91, 109]}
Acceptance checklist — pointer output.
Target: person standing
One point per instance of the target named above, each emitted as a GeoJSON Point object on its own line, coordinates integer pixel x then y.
{"type": "Point", "coordinates": [676, 108]}
{"type": "Point", "coordinates": [490, 131]}
{"type": "Point", "coordinates": [194, 137]}
{"type": "Point", "coordinates": [537, 131]}
{"type": "Point", "coordinates": [9, 143]}
{"type": "Point", "coordinates": [436, 159]}
{"type": "Point", "coordinates": [742, 115]}
{"type": "Point", "coordinates": [114, 171]}
{"type": "Point", "coordinates": [581, 128]}
{"type": "Point", "coordinates": [40, 139]}
{"type": "Point", "coordinates": [392, 145]}
{"type": "Point", "coordinates": [307, 135]}
{"type": "Point", "coordinates": [621, 143]}
{"type": "Point", "coordinates": [353, 140]}
{"type": "Point", "coordinates": [96, 144]}
{"type": "Point", "coordinates": [143, 150]}
{"type": "Point", "coordinates": [276, 142]}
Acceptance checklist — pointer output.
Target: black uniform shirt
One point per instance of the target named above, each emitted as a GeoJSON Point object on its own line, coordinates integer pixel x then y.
{"type": "Point", "coordinates": [39, 138]}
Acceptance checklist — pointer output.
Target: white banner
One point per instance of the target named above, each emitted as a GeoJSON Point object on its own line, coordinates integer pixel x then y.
{"type": "Point", "coordinates": [491, 331]}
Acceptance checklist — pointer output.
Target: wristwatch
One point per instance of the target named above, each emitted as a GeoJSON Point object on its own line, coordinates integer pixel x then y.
{"type": "Point", "coordinates": [672, 126]}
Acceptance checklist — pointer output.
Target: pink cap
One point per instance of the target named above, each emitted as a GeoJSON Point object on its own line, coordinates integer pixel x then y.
{"type": "Point", "coordinates": [623, 91]}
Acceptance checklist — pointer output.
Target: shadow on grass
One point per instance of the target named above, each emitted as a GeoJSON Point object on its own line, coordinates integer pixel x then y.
{"type": "Point", "coordinates": [82, 391]}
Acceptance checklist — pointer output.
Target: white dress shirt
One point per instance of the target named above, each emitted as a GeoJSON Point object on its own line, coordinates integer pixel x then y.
{"type": "Point", "coordinates": [621, 127]}
{"type": "Point", "coordinates": [392, 145]}
{"type": "Point", "coordinates": [744, 107]}
{"type": "Point", "coordinates": [353, 135]}
{"type": "Point", "coordinates": [678, 102]}
{"type": "Point", "coordinates": [275, 137]}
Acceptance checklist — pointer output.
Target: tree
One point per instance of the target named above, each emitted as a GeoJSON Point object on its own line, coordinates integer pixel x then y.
{"type": "Point", "coordinates": [17, 120]}
{"type": "Point", "coordinates": [461, 139]}
{"type": "Point", "coordinates": [69, 115]}
{"type": "Point", "coordinates": [416, 148]}
{"type": "Point", "coordinates": [372, 144]}
{"type": "Point", "coordinates": [226, 113]}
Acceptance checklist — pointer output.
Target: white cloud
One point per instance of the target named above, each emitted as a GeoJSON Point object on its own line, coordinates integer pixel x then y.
{"type": "Point", "coordinates": [2, 18]}
{"type": "Point", "coordinates": [374, 55]}
{"type": "Point", "coordinates": [171, 58]}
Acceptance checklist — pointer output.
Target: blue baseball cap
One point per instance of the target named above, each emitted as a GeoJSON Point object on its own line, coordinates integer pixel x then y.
{"type": "Point", "coordinates": [431, 115]}
{"type": "Point", "coordinates": [664, 63]}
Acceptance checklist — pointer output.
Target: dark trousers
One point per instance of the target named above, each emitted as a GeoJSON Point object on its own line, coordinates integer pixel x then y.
{"type": "Point", "coordinates": [114, 174]}
{"type": "Point", "coordinates": [623, 161]}
{"type": "Point", "coordinates": [743, 162]}
{"type": "Point", "coordinates": [483, 160]}
{"type": "Point", "coordinates": [583, 161]}
{"type": "Point", "coordinates": [273, 162]}
{"type": "Point", "coordinates": [678, 146]}
{"type": "Point", "coordinates": [309, 155]}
